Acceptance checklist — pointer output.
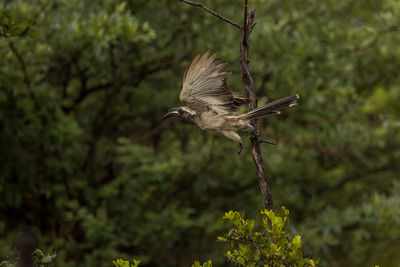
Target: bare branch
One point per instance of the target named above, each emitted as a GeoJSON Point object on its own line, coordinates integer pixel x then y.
{"type": "Point", "coordinates": [248, 25]}
{"type": "Point", "coordinates": [245, 16]}
{"type": "Point", "coordinates": [267, 141]}
{"type": "Point", "coordinates": [252, 27]}
{"type": "Point", "coordinates": [84, 93]}
{"type": "Point", "coordinates": [212, 12]}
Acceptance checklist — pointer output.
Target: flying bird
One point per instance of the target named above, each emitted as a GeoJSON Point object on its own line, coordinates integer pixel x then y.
{"type": "Point", "coordinates": [210, 104]}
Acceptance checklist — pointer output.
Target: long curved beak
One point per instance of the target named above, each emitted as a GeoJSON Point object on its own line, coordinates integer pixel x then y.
{"type": "Point", "coordinates": [173, 112]}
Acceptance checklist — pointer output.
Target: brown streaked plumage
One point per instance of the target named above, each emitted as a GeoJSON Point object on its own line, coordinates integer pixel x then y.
{"type": "Point", "coordinates": [210, 104]}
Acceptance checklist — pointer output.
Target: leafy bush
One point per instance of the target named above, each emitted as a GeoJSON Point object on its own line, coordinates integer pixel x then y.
{"type": "Point", "coordinates": [40, 259]}
{"type": "Point", "coordinates": [9, 27]}
{"type": "Point", "coordinates": [271, 247]}
{"type": "Point", "coordinates": [122, 263]}
{"type": "Point", "coordinates": [206, 264]}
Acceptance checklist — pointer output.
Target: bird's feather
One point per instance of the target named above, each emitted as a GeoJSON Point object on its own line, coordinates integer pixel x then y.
{"type": "Point", "coordinates": [272, 107]}
{"type": "Point", "coordinates": [204, 85]}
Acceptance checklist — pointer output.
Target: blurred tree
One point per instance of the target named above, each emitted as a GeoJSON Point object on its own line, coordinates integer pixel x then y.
{"type": "Point", "coordinates": [9, 28]}
{"type": "Point", "coordinates": [86, 160]}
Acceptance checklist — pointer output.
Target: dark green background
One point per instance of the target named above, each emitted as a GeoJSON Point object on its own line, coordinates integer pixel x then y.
{"type": "Point", "coordinates": [86, 161]}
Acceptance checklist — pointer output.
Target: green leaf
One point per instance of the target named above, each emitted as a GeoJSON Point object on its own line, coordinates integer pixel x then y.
{"type": "Point", "coordinates": [236, 218]}
{"type": "Point", "coordinates": [240, 260]}
{"type": "Point", "coordinates": [250, 225]}
{"type": "Point", "coordinates": [136, 263]}
{"type": "Point", "coordinates": [297, 241]}
{"type": "Point", "coordinates": [48, 259]}
{"type": "Point", "coordinates": [121, 263]}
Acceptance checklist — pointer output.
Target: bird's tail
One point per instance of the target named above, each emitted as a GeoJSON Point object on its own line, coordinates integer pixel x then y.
{"type": "Point", "coordinates": [273, 107]}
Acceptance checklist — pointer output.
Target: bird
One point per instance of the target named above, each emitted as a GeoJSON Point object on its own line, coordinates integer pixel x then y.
{"type": "Point", "coordinates": [210, 104]}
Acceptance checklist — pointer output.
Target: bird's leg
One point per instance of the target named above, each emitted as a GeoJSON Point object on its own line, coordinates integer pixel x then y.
{"type": "Point", "coordinates": [240, 148]}
{"type": "Point", "coordinates": [234, 136]}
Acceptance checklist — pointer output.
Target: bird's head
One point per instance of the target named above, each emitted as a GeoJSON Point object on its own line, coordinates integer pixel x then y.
{"type": "Point", "coordinates": [184, 112]}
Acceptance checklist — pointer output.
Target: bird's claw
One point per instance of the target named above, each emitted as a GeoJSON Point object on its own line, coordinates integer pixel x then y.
{"type": "Point", "coordinates": [241, 148]}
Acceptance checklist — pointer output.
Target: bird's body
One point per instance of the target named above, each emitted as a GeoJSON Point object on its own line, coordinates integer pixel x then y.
{"type": "Point", "coordinates": [210, 104]}
{"type": "Point", "coordinates": [209, 120]}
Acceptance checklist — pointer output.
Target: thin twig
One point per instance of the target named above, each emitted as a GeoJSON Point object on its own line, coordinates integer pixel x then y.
{"type": "Point", "coordinates": [304, 83]}
{"type": "Point", "coordinates": [267, 141]}
{"type": "Point", "coordinates": [212, 12]}
{"type": "Point", "coordinates": [245, 16]}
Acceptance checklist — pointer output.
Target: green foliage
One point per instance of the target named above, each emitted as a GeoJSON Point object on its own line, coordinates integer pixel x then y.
{"type": "Point", "coordinates": [9, 27]}
{"type": "Point", "coordinates": [40, 259]}
{"type": "Point", "coordinates": [122, 263]}
{"type": "Point", "coordinates": [88, 163]}
{"type": "Point", "coordinates": [270, 247]}
{"type": "Point", "coordinates": [206, 264]}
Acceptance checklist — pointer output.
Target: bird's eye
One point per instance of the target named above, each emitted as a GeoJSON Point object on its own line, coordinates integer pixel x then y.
{"type": "Point", "coordinates": [180, 111]}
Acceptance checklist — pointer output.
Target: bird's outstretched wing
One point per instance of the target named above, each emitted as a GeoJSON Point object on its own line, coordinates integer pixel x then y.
{"type": "Point", "coordinates": [204, 85]}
